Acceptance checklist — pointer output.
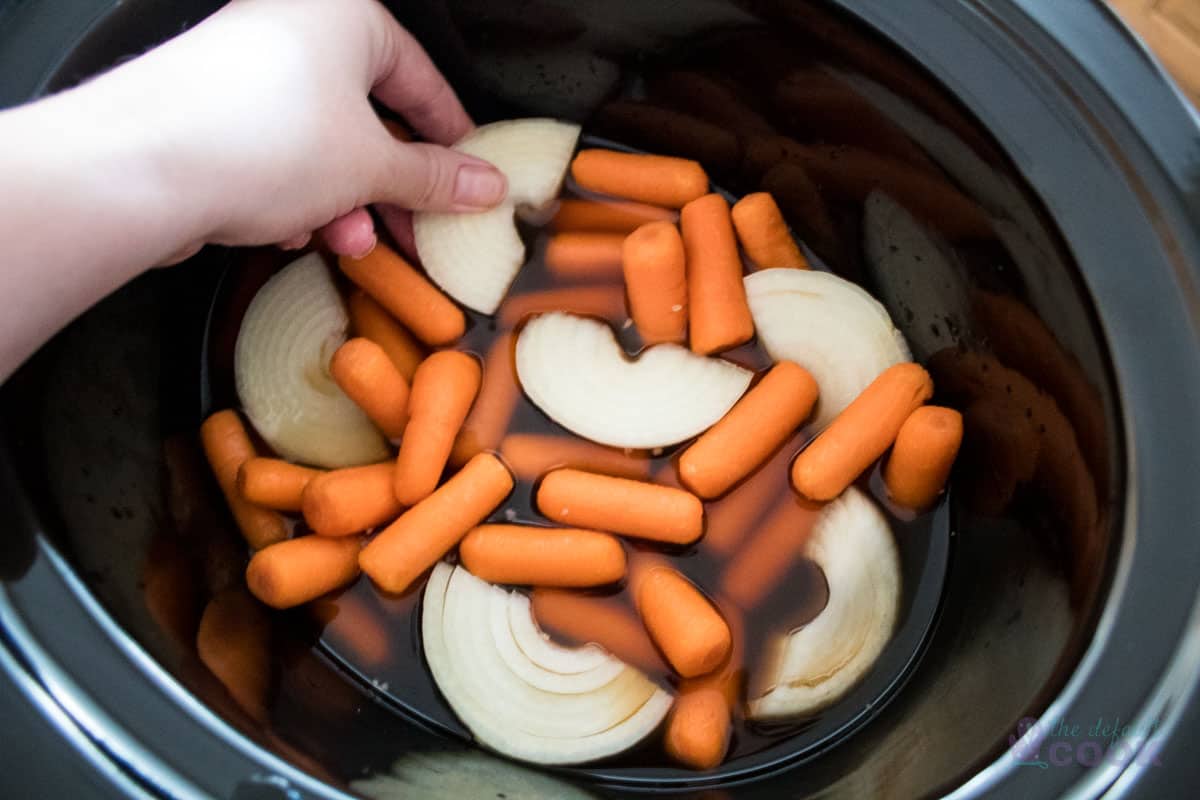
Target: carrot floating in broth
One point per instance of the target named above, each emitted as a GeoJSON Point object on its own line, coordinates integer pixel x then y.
{"type": "Point", "coordinates": [443, 390]}
{"type": "Point", "coordinates": [718, 314]}
{"type": "Point", "coordinates": [584, 256]}
{"type": "Point", "coordinates": [351, 500]}
{"type": "Point", "coordinates": [606, 216]}
{"type": "Point", "coordinates": [754, 428]}
{"type": "Point", "coordinates": [227, 446]}
{"type": "Point", "coordinates": [861, 433]}
{"type": "Point", "coordinates": [762, 562]}
{"type": "Point", "coordinates": [584, 619]}
{"type": "Point", "coordinates": [764, 234]}
{"type": "Point", "coordinates": [605, 301]}
{"type": "Point", "coordinates": [290, 573]}
{"type": "Point", "coordinates": [682, 622]}
{"type": "Point", "coordinates": [536, 556]}
{"type": "Point", "coordinates": [631, 508]}
{"type": "Point", "coordinates": [426, 532]}
{"type": "Point", "coordinates": [922, 456]}
{"type": "Point", "coordinates": [274, 483]}
{"type": "Point", "coordinates": [498, 396]}
{"type": "Point", "coordinates": [363, 370]}
{"type": "Point", "coordinates": [657, 180]}
{"type": "Point", "coordinates": [656, 282]}
{"type": "Point", "coordinates": [372, 321]}
{"type": "Point", "coordinates": [531, 455]}
{"type": "Point", "coordinates": [406, 294]}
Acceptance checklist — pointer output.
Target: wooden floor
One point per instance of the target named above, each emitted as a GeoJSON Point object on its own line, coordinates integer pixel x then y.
{"type": "Point", "coordinates": [1172, 29]}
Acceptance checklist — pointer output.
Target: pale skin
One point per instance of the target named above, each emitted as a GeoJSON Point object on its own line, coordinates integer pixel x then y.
{"type": "Point", "coordinates": [255, 127]}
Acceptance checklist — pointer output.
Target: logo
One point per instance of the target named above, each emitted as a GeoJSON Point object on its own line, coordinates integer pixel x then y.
{"type": "Point", "coordinates": [1060, 743]}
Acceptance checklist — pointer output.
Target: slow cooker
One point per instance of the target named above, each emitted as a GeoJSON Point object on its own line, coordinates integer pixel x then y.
{"type": "Point", "coordinates": [1063, 654]}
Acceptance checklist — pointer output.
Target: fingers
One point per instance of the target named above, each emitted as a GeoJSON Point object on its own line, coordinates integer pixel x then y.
{"type": "Point", "coordinates": [295, 242]}
{"type": "Point", "coordinates": [427, 177]}
{"type": "Point", "coordinates": [351, 234]}
{"type": "Point", "coordinates": [399, 223]}
{"type": "Point", "coordinates": [408, 82]}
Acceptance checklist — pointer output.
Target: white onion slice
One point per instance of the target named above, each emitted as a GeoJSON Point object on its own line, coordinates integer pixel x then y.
{"type": "Point", "coordinates": [281, 363]}
{"type": "Point", "coordinates": [573, 369]}
{"type": "Point", "coordinates": [474, 257]}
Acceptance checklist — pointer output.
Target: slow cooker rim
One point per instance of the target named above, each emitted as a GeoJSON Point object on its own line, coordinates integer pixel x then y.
{"type": "Point", "coordinates": [1175, 666]}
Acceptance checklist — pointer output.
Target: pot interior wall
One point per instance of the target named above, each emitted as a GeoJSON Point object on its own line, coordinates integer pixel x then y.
{"type": "Point", "coordinates": [769, 95]}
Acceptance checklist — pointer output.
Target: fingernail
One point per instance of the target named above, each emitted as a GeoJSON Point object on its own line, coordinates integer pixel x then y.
{"type": "Point", "coordinates": [477, 186]}
{"type": "Point", "coordinates": [368, 249]}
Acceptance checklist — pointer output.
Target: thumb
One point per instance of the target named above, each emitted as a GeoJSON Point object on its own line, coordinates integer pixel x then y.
{"type": "Point", "coordinates": [428, 177]}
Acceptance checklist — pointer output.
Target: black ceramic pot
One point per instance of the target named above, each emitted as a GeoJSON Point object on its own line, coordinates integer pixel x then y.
{"type": "Point", "coordinates": [1070, 601]}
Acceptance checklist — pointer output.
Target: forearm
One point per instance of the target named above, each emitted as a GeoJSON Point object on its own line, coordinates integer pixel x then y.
{"type": "Point", "coordinates": [84, 207]}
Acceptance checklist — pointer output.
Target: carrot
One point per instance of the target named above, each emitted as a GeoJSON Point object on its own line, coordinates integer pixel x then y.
{"type": "Point", "coordinates": [364, 372]}
{"type": "Point", "coordinates": [298, 570]}
{"type": "Point", "coordinates": [606, 216]}
{"type": "Point", "coordinates": [407, 294]}
{"type": "Point", "coordinates": [656, 281]}
{"type": "Point", "coordinates": [585, 619]}
{"type": "Point", "coordinates": [632, 508]}
{"type": "Point", "coordinates": [861, 433]}
{"type": "Point", "coordinates": [171, 588]}
{"type": "Point", "coordinates": [533, 556]}
{"type": "Point", "coordinates": [531, 455]}
{"type": "Point", "coordinates": [372, 321]}
{"type": "Point", "coordinates": [348, 622]}
{"type": "Point", "coordinates": [720, 316]}
{"type": "Point", "coordinates": [753, 429]}
{"type": "Point", "coordinates": [498, 397]}
{"type": "Point", "coordinates": [274, 483]}
{"type": "Point", "coordinates": [228, 446]}
{"type": "Point", "coordinates": [764, 234]}
{"type": "Point", "coordinates": [922, 456]}
{"type": "Point", "coordinates": [233, 642]}
{"type": "Point", "coordinates": [758, 567]}
{"type": "Point", "coordinates": [656, 129]}
{"type": "Point", "coordinates": [699, 727]}
{"type": "Point", "coordinates": [659, 180]}
{"type": "Point", "coordinates": [789, 183]}
{"type": "Point", "coordinates": [682, 622]}
{"type": "Point", "coordinates": [351, 500]}
{"type": "Point", "coordinates": [443, 390]}
{"type": "Point", "coordinates": [734, 515]}
{"type": "Point", "coordinates": [586, 256]}
{"type": "Point", "coordinates": [427, 531]}
{"type": "Point", "coordinates": [607, 302]}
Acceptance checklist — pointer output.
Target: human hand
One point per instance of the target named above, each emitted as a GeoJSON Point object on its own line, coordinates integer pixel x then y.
{"type": "Point", "coordinates": [261, 114]}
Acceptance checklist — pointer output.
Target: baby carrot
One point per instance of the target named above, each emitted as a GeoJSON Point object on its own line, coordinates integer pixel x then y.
{"type": "Point", "coordinates": [861, 433]}
{"type": "Point", "coordinates": [719, 315]}
{"type": "Point", "coordinates": [764, 234]}
{"type": "Point", "coordinates": [228, 446]}
{"type": "Point", "coordinates": [659, 180]}
{"type": "Point", "coordinates": [682, 622]}
{"type": "Point", "coordinates": [233, 642]}
{"type": "Point", "coordinates": [298, 570]}
{"type": "Point", "coordinates": [758, 567]}
{"type": "Point", "coordinates": [404, 292]}
{"type": "Point", "coordinates": [372, 321]}
{"type": "Point", "coordinates": [364, 372]}
{"type": "Point", "coordinates": [498, 396]}
{"type": "Point", "coordinates": [747, 435]}
{"type": "Point", "coordinates": [654, 129]}
{"type": "Point", "coordinates": [274, 483]}
{"type": "Point", "coordinates": [698, 730]}
{"type": "Point", "coordinates": [606, 216]}
{"type": "Point", "coordinates": [351, 500]}
{"type": "Point", "coordinates": [348, 621]}
{"type": "Point", "coordinates": [922, 455]}
{"type": "Point", "coordinates": [632, 508]}
{"type": "Point", "coordinates": [734, 515]}
{"type": "Point", "coordinates": [583, 619]}
{"type": "Point", "coordinates": [443, 390]}
{"type": "Point", "coordinates": [576, 256]}
{"type": "Point", "coordinates": [607, 302]}
{"type": "Point", "coordinates": [655, 279]}
{"type": "Point", "coordinates": [533, 556]}
{"type": "Point", "coordinates": [531, 455]}
{"type": "Point", "coordinates": [424, 533]}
